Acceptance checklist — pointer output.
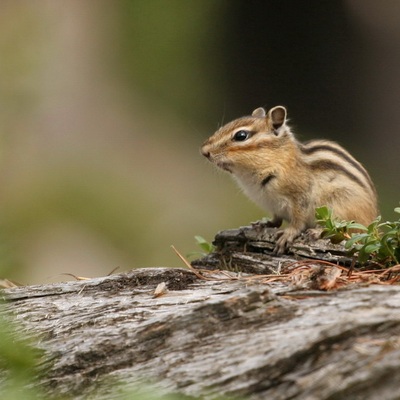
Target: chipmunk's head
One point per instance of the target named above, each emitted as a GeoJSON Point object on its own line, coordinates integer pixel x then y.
{"type": "Point", "coordinates": [247, 141]}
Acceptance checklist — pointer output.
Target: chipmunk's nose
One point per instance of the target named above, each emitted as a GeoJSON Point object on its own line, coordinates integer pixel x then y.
{"type": "Point", "coordinates": [205, 152]}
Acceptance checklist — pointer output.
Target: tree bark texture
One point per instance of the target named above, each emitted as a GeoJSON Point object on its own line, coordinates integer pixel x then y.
{"type": "Point", "coordinates": [212, 333]}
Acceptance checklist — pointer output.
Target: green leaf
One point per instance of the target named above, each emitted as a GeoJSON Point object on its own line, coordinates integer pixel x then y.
{"type": "Point", "coordinates": [323, 213]}
{"type": "Point", "coordinates": [329, 224]}
{"type": "Point", "coordinates": [390, 234]}
{"type": "Point", "coordinates": [379, 241]}
{"type": "Point", "coordinates": [341, 224]}
{"type": "Point", "coordinates": [374, 224]}
{"type": "Point", "coordinates": [355, 238]}
{"type": "Point", "coordinates": [389, 225]}
{"type": "Point", "coordinates": [355, 225]}
{"type": "Point", "coordinates": [200, 239]}
{"type": "Point", "coordinates": [363, 256]}
{"type": "Point", "coordinates": [337, 238]}
{"type": "Point", "coordinates": [204, 245]}
{"type": "Point", "coordinates": [372, 248]}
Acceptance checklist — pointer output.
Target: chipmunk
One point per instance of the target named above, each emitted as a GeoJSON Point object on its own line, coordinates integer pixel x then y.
{"type": "Point", "coordinates": [289, 179]}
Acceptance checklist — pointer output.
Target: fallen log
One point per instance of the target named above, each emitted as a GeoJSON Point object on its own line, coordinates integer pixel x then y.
{"type": "Point", "coordinates": [207, 333]}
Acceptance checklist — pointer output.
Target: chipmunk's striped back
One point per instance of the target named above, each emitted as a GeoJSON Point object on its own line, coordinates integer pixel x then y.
{"type": "Point", "coordinates": [326, 155]}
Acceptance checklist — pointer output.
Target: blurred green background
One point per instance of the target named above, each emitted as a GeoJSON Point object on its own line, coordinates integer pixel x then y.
{"type": "Point", "coordinates": [103, 107]}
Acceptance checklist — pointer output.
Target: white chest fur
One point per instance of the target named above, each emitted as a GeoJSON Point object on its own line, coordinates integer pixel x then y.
{"type": "Point", "coordinates": [265, 196]}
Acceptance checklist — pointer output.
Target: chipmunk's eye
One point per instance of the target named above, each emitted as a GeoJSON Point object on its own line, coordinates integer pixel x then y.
{"type": "Point", "coordinates": [241, 136]}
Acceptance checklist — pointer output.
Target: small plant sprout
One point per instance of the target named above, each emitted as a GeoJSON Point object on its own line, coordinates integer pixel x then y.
{"type": "Point", "coordinates": [205, 246]}
{"type": "Point", "coordinates": [378, 242]}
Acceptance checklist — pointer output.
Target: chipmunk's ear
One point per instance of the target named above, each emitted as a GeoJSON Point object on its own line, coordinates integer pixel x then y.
{"type": "Point", "coordinates": [258, 112]}
{"type": "Point", "coordinates": [277, 116]}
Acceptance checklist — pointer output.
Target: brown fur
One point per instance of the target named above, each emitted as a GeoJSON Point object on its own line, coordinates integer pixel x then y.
{"type": "Point", "coordinates": [306, 176]}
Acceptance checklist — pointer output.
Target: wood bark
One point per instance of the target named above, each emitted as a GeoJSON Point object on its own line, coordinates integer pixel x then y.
{"type": "Point", "coordinates": [227, 334]}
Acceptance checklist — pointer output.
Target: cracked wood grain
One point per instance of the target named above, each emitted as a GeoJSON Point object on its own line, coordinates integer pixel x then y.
{"type": "Point", "coordinates": [207, 338]}
{"type": "Point", "coordinates": [249, 249]}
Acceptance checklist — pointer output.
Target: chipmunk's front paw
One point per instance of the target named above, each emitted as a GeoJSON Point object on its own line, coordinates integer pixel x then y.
{"type": "Point", "coordinates": [285, 239]}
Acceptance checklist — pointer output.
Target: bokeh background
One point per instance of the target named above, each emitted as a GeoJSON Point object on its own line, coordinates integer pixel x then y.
{"type": "Point", "coordinates": [104, 104]}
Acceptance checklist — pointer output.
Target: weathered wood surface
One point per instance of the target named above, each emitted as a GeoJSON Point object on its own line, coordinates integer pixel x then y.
{"type": "Point", "coordinates": [205, 338]}
{"type": "Point", "coordinates": [249, 249]}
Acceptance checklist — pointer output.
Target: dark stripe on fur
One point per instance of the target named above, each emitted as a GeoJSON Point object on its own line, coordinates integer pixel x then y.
{"type": "Point", "coordinates": [324, 165]}
{"type": "Point", "coordinates": [313, 149]}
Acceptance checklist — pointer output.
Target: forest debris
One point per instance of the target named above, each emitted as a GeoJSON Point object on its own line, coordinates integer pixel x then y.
{"type": "Point", "coordinates": [161, 289]}
{"type": "Point", "coordinates": [311, 274]}
{"type": "Point", "coordinates": [309, 264]}
{"type": "Point", "coordinates": [7, 284]}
